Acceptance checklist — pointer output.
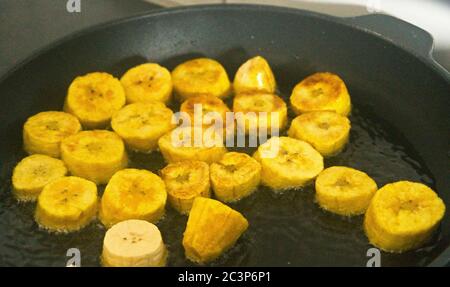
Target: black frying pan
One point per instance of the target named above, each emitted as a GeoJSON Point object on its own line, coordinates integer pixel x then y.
{"type": "Point", "coordinates": [400, 124]}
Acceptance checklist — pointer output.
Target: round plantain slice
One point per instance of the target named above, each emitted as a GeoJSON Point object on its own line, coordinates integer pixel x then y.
{"type": "Point", "coordinates": [326, 131]}
{"type": "Point", "coordinates": [344, 190]}
{"type": "Point", "coordinates": [260, 110]}
{"type": "Point", "coordinates": [93, 98]}
{"type": "Point", "coordinates": [402, 216]}
{"type": "Point", "coordinates": [140, 125]}
{"type": "Point", "coordinates": [200, 76]}
{"type": "Point", "coordinates": [255, 75]}
{"type": "Point", "coordinates": [32, 173]}
{"type": "Point", "coordinates": [133, 194]}
{"type": "Point", "coordinates": [43, 132]}
{"type": "Point", "coordinates": [198, 107]}
{"type": "Point", "coordinates": [212, 229]}
{"type": "Point", "coordinates": [235, 176]}
{"type": "Point", "coordinates": [192, 143]}
{"type": "Point", "coordinates": [95, 155]}
{"type": "Point", "coordinates": [147, 83]}
{"type": "Point", "coordinates": [186, 180]}
{"type": "Point", "coordinates": [288, 163]}
{"type": "Point", "coordinates": [321, 92]}
{"type": "Point", "coordinates": [67, 204]}
{"type": "Point", "coordinates": [133, 243]}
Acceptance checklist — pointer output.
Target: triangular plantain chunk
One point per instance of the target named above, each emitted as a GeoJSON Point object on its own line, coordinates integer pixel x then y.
{"type": "Point", "coordinates": [212, 229]}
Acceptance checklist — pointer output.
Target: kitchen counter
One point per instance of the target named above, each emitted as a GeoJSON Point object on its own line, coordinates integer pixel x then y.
{"type": "Point", "coordinates": [28, 25]}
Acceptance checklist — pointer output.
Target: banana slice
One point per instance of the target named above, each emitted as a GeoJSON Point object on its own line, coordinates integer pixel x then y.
{"type": "Point", "coordinates": [67, 204]}
{"type": "Point", "coordinates": [95, 155]}
{"type": "Point", "coordinates": [200, 76]}
{"type": "Point", "coordinates": [205, 104]}
{"type": "Point", "coordinates": [192, 143]}
{"type": "Point", "coordinates": [93, 98]}
{"type": "Point", "coordinates": [344, 190]}
{"type": "Point", "coordinates": [185, 180]}
{"type": "Point", "coordinates": [255, 75]}
{"type": "Point", "coordinates": [140, 125]}
{"type": "Point", "coordinates": [402, 216]}
{"type": "Point", "coordinates": [43, 132]}
{"type": "Point", "coordinates": [133, 243]}
{"type": "Point", "coordinates": [212, 229]}
{"type": "Point", "coordinates": [133, 194]}
{"type": "Point", "coordinates": [147, 83]}
{"type": "Point", "coordinates": [235, 176]}
{"type": "Point", "coordinates": [326, 131]}
{"type": "Point", "coordinates": [288, 163]}
{"type": "Point", "coordinates": [260, 110]}
{"type": "Point", "coordinates": [320, 92]}
{"type": "Point", "coordinates": [34, 172]}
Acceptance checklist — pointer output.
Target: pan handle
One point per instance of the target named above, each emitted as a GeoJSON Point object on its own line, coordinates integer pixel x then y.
{"type": "Point", "coordinates": [411, 38]}
{"type": "Point", "coordinates": [408, 36]}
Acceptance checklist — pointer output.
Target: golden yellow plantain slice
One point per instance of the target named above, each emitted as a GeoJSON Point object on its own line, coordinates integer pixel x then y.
{"type": "Point", "coordinates": [321, 92]}
{"type": "Point", "coordinates": [257, 111]}
{"type": "Point", "coordinates": [205, 104]}
{"type": "Point", "coordinates": [235, 176]}
{"type": "Point", "coordinates": [133, 194]}
{"type": "Point", "coordinates": [402, 216]}
{"type": "Point", "coordinates": [32, 173]}
{"type": "Point", "coordinates": [326, 131]}
{"type": "Point", "coordinates": [192, 143]}
{"type": "Point", "coordinates": [67, 204]}
{"type": "Point", "coordinates": [43, 132]}
{"type": "Point", "coordinates": [255, 75]}
{"type": "Point", "coordinates": [93, 99]}
{"type": "Point", "coordinates": [344, 190]}
{"type": "Point", "coordinates": [140, 125]}
{"type": "Point", "coordinates": [185, 180]}
{"type": "Point", "coordinates": [200, 76]}
{"type": "Point", "coordinates": [133, 243]}
{"type": "Point", "coordinates": [95, 155]}
{"type": "Point", "coordinates": [212, 229]}
{"type": "Point", "coordinates": [288, 163]}
{"type": "Point", "coordinates": [147, 83]}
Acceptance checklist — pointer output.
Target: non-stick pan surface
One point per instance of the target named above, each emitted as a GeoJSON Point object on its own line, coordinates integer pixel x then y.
{"type": "Point", "coordinates": [399, 124]}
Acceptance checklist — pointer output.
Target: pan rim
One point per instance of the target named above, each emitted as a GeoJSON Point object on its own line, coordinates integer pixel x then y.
{"type": "Point", "coordinates": [428, 60]}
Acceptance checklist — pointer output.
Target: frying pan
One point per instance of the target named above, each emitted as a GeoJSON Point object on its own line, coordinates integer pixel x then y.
{"type": "Point", "coordinates": [400, 124]}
